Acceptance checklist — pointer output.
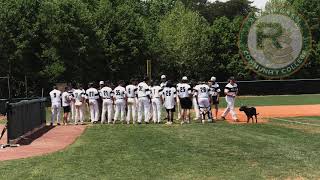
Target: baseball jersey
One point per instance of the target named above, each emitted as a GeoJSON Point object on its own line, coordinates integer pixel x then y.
{"type": "Point", "coordinates": [233, 89]}
{"type": "Point", "coordinates": [202, 91]}
{"type": "Point", "coordinates": [169, 96]}
{"type": "Point", "coordinates": [55, 96]}
{"type": "Point", "coordinates": [156, 91]}
{"type": "Point", "coordinates": [131, 91]}
{"type": "Point", "coordinates": [143, 90]}
{"type": "Point", "coordinates": [71, 93]}
{"type": "Point", "coordinates": [78, 95]}
{"type": "Point", "coordinates": [119, 92]}
{"type": "Point", "coordinates": [215, 89]}
{"type": "Point", "coordinates": [106, 93]}
{"type": "Point", "coordinates": [66, 99]}
{"type": "Point", "coordinates": [184, 90]}
{"type": "Point", "coordinates": [92, 94]}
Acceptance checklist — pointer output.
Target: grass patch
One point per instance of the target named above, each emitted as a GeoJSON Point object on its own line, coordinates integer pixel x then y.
{"type": "Point", "coordinates": [212, 151]}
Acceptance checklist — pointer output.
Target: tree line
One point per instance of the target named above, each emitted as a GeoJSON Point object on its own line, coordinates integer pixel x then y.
{"type": "Point", "coordinates": [51, 41]}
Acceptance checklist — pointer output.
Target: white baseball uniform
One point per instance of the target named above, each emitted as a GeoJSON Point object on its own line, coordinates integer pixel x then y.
{"type": "Point", "coordinates": [195, 102]}
{"type": "Point", "coordinates": [178, 102]}
{"type": "Point", "coordinates": [66, 99]}
{"type": "Point", "coordinates": [230, 99]}
{"type": "Point", "coordinates": [55, 96]}
{"type": "Point", "coordinates": [156, 92]}
{"type": "Point", "coordinates": [203, 93]}
{"type": "Point", "coordinates": [72, 106]}
{"type": "Point", "coordinates": [131, 91]}
{"type": "Point", "coordinates": [120, 102]}
{"type": "Point", "coordinates": [107, 104]}
{"type": "Point", "coordinates": [93, 95]}
{"type": "Point", "coordinates": [144, 101]}
{"type": "Point", "coordinates": [79, 103]}
{"type": "Point", "coordinates": [169, 96]}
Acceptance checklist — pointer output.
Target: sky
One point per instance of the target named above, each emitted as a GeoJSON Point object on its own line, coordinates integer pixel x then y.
{"type": "Point", "coordinates": [258, 3]}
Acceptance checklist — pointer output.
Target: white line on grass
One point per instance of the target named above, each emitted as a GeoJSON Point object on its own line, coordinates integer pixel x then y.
{"type": "Point", "coordinates": [297, 122]}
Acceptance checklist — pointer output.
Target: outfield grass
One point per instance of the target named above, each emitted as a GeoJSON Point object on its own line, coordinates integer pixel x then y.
{"type": "Point", "coordinates": [275, 100]}
{"type": "Point", "coordinates": [212, 151]}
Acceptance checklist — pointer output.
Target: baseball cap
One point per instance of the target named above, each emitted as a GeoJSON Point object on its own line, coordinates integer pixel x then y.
{"type": "Point", "coordinates": [101, 82]}
{"type": "Point", "coordinates": [163, 76]}
{"type": "Point", "coordinates": [185, 78]}
{"type": "Point", "coordinates": [213, 78]}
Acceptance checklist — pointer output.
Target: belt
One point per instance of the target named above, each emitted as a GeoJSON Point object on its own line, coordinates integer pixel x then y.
{"type": "Point", "coordinates": [156, 97]}
{"type": "Point", "coordinates": [106, 98]}
{"type": "Point", "coordinates": [142, 97]}
{"type": "Point", "coordinates": [131, 97]}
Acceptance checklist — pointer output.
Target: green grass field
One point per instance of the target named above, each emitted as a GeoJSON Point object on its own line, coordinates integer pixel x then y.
{"type": "Point", "coordinates": [283, 148]}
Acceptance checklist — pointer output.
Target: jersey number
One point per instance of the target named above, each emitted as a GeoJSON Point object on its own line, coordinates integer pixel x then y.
{"type": "Point", "coordinates": [203, 89]}
{"type": "Point", "coordinates": [168, 93]}
{"type": "Point", "coordinates": [91, 94]}
{"type": "Point", "coordinates": [118, 92]}
{"type": "Point", "coordinates": [182, 89]}
{"type": "Point", "coordinates": [54, 95]}
{"type": "Point", "coordinates": [105, 93]}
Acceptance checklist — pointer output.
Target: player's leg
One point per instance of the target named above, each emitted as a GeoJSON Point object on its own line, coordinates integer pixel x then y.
{"type": "Point", "coordinates": [104, 111]}
{"type": "Point", "coordinates": [146, 107]}
{"type": "Point", "coordinates": [140, 109]}
{"type": "Point", "coordinates": [58, 114]}
{"type": "Point", "coordinates": [91, 109]}
{"type": "Point", "coordinates": [134, 111]}
{"type": "Point", "coordinates": [216, 107]}
{"type": "Point", "coordinates": [196, 108]}
{"type": "Point", "coordinates": [154, 111]}
{"type": "Point", "coordinates": [158, 105]}
{"type": "Point", "coordinates": [73, 110]}
{"type": "Point", "coordinates": [178, 108]}
{"type": "Point", "coordinates": [129, 112]}
{"type": "Point", "coordinates": [122, 110]}
{"type": "Point", "coordinates": [117, 111]}
{"type": "Point", "coordinates": [96, 112]}
{"type": "Point", "coordinates": [226, 111]}
{"type": "Point", "coordinates": [232, 111]}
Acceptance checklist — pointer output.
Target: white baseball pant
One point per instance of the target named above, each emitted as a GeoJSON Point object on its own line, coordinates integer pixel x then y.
{"type": "Point", "coordinates": [144, 105]}
{"type": "Point", "coordinates": [55, 112]}
{"type": "Point", "coordinates": [196, 107]}
{"type": "Point", "coordinates": [156, 107]}
{"type": "Point", "coordinates": [120, 109]}
{"type": "Point", "coordinates": [79, 114]}
{"type": "Point", "coordinates": [107, 107]}
{"type": "Point", "coordinates": [94, 110]}
{"type": "Point", "coordinates": [131, 109]}
{"type": "Point", "coordinates": [230, 107]}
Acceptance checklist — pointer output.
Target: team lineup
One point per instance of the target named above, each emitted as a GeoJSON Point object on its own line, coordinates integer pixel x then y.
{"type": "Point", "coordinates": [137, 102]}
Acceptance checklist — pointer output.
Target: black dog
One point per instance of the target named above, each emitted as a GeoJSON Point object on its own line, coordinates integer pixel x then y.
{"type": "Point", "coordinates": [250, 112]}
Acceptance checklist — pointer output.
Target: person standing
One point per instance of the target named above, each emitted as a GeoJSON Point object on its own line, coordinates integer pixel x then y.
{"type": "Point", "coordinates": [131, 91]}
{"type": "Point", "coordinates": [79, 95]}
{"type": "Point", "coordinates": [202, 92]}
{"type": "Point", "coordinates": [92, 96]}
{"type": "Point", "coordinates": [120, 102]}
{"type": "Point", "coordinates": [231, 91]}
{"type": "Point", "coordinates": [169, 99]}
{"type": "Point", "coordinates": [106, 93]}
{"type": "Point", "coordinates": [215, 91]}
{"type": "Point", "coordinates": [66, 104]}
{"type": "Point", "coordinates": [195, 102]}
{"type": "Point", "coordinates": [163, 81]}
{"type": "Point", "coordinates": [184, 96]}
{"type": "Point", "coordinates": [72, 106]}
{"type": "Point", "coordinates": [156, 91]}
{"type": "Point", "coordinates": [55, 96]}
{"type": "Point", "coordinates": [144, 100]}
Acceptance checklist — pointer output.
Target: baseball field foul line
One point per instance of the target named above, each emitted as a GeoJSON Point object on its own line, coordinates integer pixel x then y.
{"type": "Point", "coordinates": [297, 122]}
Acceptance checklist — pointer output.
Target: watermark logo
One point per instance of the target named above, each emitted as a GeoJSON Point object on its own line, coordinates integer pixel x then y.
{"type": "Point", "coordinates": [275, 44]}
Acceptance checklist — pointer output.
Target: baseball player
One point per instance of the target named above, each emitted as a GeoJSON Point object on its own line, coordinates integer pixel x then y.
{"type": "Point", "coordinates": [120, 102]}
{"type": "Point", "coordinates": [178, 103]}
{"type": "Point", "coordinates": [66, 104]}
{"type": "Point", "coordinates": [144, 100]}
{"type": "Point", "coordinates": [72, 106]}
{"type": "Point", "coordinates": [184, 96]}
{"type": "Point", "coordinates": [169, 99]}
{"type": "Point", "coordinates": [163, 81]}
{"type": "Point", "coordinates": [231, 91]}
{"type": "Point", "coordinates": [101, 85]}
{"type": "Point", "coordinates": [215, 91]}
{"type": "Point", "coordinates": [106, 93]}
{"type": "Point", "coordinates": [92, 95]}
{"type": "Point", "coordinates": [195, 102]}
{"type": "Point", "coordinates": [55, 96]}
{"type": "Point", "coordinates": [156, 91]}
{"type": "Point", "coordinates": [131, 91]}
{"type": "Point", "coordinates": [79, 95]}
{"type": "Point", "coordinates": [202, 92]}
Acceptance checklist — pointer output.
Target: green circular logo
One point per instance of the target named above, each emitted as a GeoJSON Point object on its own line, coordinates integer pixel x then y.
{"type": "Point", "coordinates": [275, 44]}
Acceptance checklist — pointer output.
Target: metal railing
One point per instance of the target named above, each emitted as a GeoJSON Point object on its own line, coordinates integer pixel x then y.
{"type": "Point", "coordinates": [24, 118]}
